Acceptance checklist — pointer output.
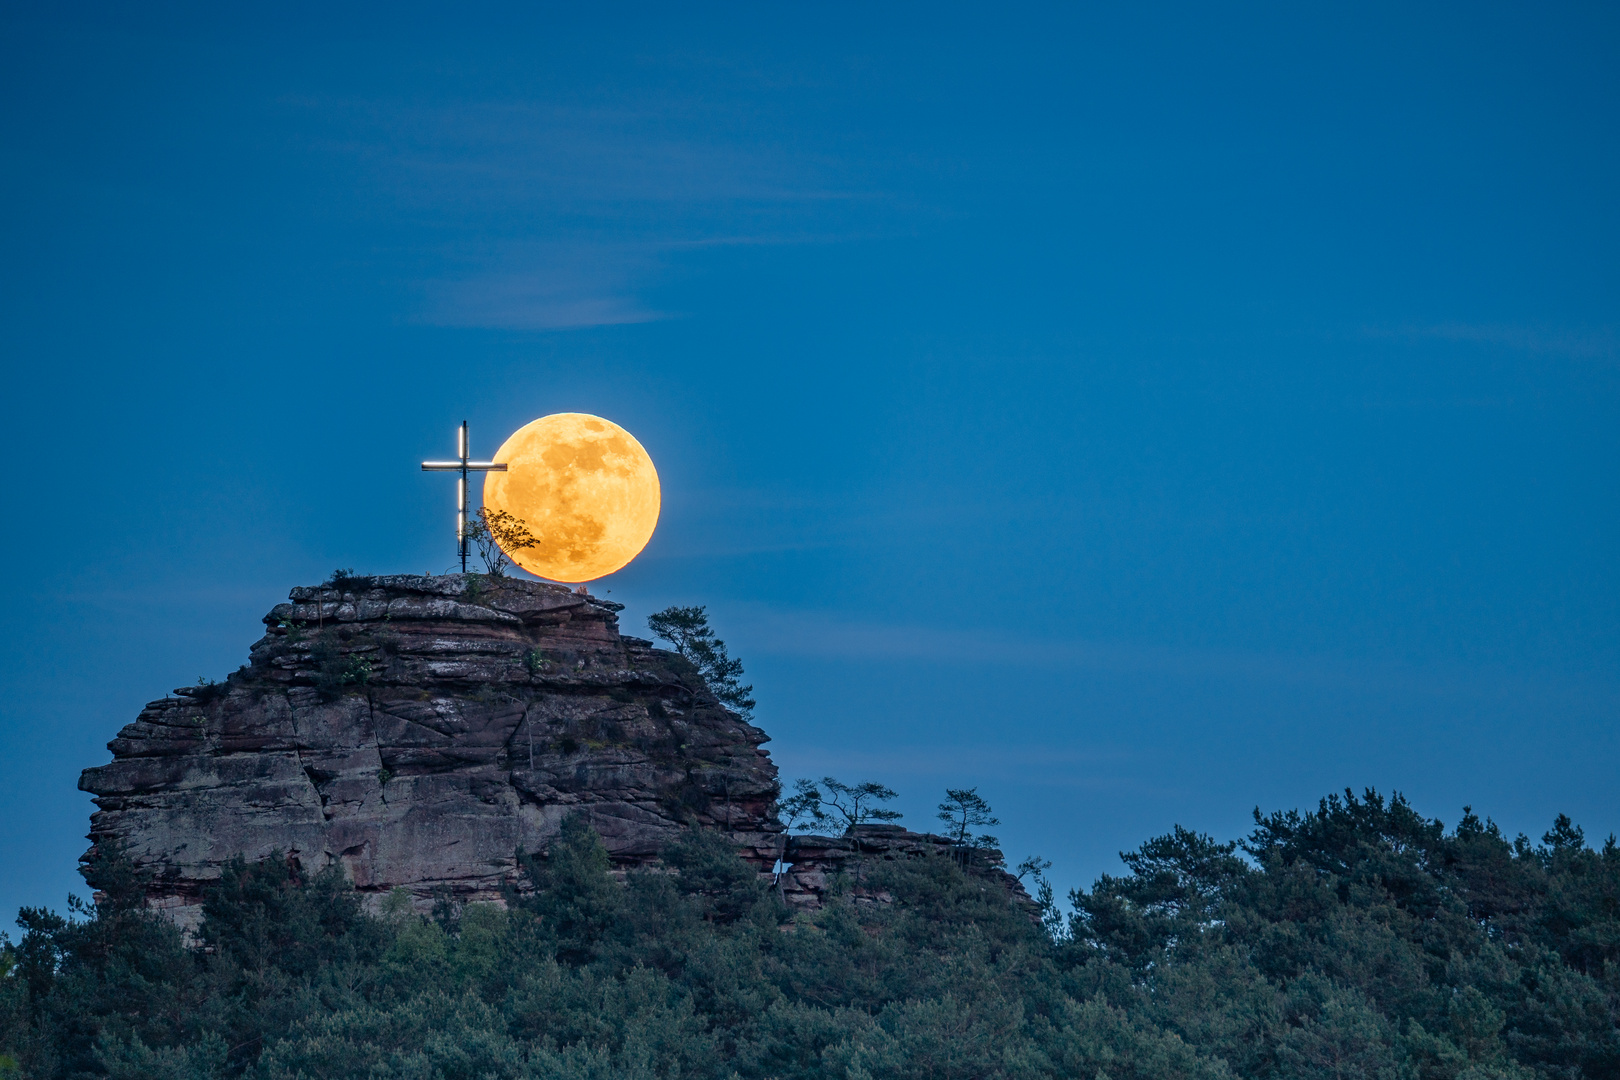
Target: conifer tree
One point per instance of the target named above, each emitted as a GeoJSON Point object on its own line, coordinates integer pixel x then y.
{"type": "Point", "coordinates": [964, 810]}
{"type": "Point", "coordinates": [687, 628]}
{"type": "Point", "coordinates": [857, 804]}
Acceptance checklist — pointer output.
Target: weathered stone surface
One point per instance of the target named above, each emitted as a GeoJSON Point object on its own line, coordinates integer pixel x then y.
{"type": "Point", "coordinates": [420, 731]}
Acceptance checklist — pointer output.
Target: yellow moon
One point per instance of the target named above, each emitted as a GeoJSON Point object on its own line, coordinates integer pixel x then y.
{"type": "Point", "coordinates": [584, 487]}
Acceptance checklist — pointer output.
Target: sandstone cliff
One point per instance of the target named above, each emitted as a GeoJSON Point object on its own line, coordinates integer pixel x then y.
{"type": "Point", "coordinates": [420, 731]}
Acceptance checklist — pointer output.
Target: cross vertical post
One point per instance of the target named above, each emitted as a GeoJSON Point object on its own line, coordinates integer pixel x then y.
{"type": "Point", "coordinates": [462, 465]}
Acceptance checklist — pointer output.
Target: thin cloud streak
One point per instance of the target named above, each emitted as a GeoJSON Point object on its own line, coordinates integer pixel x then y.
{"type": "Point", "coordinates": [796, 634]}
{"type": "Point", "coordinates": [1588, 344]}
{"type": "Point", "coordinates": [569, 288]}
{"type": "Point", "coordinates": [561, 192]}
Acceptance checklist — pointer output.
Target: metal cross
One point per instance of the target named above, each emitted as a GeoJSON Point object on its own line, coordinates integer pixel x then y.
{"type": "Point", "coordinates": [463, 466]}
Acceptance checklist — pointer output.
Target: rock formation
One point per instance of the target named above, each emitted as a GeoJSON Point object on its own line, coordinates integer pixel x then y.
{"type": "Point", "coordinates": [422, 731]}
{"type": "Point", "coordinates": [813, 863]}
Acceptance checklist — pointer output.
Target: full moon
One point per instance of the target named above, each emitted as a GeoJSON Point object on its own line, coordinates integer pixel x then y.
{"type": "Point", "coordinates": [584, 487]}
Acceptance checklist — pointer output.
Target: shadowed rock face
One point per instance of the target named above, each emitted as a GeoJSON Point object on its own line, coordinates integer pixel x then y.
{"type": "Point", "coordinates": [421, 731]}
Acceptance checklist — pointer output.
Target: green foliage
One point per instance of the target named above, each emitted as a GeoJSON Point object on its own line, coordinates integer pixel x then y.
{"type": "Point", "coordinates": [343, 578]}
{"type": "Point", "coordinates": [576, 900]}
{"type": "Point", "coordinates": [209, 690]}
{"type": "Point", "coordinates": [335, 670]}
{"type": "Point", "coordinates": [721, 886]}
{"type": "Point", "coordinates": [1034, 868]}
{"type": "Point", "coordinates": [534, 661]}
{"type": "Point", "coordinates": [687, 628]}
{"type": "Point", "coordinates": [269, 914]}
{"type": "Point", "coordinates": [1357, 940]}
{"type": "Point", "coordinates": [1363, 933]}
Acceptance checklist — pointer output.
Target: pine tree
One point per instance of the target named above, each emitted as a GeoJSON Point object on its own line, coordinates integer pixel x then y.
{"type": "Point", "coordinates": [963, 811]}
{"type": "Point", "coordinates": [687, 628]}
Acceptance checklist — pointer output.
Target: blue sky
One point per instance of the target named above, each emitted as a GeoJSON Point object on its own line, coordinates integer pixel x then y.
{"type": "Point", "coordinates": [1142, 413]}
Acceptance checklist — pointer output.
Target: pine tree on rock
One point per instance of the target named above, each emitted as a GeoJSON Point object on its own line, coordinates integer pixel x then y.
{"type": "Point", "coordinates": [687, 628]}
{"type": "Point", "coordinates": [964, 810]}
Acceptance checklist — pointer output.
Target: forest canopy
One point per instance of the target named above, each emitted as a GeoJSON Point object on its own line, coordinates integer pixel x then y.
{"type": "Point", "coordinates": [1355, 940]}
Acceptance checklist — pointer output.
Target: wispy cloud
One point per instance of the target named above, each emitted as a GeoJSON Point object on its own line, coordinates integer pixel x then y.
{"type": "Point", "coordinates": [545, 287]}
{"type": "Point", "coordinates": [709, 523]}
{"type": "Point", "coordinates": [1601, 343]}
{"type": "Point", "coordinates": [828, 636]}
{"type": "Point", "coordinates": [550, 217]}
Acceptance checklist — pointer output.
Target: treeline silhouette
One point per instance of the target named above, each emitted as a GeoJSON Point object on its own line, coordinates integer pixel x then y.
{"type": "Point", "coordinates": [1359, 940]}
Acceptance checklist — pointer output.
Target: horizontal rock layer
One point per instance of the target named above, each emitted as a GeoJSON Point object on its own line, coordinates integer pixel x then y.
{"type": "Point", "coordinates": [420, 732]}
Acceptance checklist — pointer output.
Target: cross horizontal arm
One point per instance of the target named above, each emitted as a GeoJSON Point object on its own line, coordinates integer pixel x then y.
{"type": "Point", "coordinates": [457, 466]}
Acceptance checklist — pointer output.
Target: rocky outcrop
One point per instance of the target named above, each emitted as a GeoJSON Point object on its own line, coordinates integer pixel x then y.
{"type": "Point", "coordinates": [421, 732]}
{"type": "Point", "coordinates": [812, 865]}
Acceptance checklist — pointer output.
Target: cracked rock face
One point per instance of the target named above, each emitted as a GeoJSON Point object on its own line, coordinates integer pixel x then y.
{"type": "Point", "coordinates": [420, 732]}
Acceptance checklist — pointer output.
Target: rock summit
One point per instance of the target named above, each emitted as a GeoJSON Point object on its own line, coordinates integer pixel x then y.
{"type": "Point", "coordinates": [423, 731]}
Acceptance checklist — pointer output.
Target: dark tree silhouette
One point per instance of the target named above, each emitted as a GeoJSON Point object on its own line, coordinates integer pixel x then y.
{"type": "Point", "coordinates": [963, 811]}
{"type": "Point", "coordinates": [498, 534]}
{"type": "Point", "coordinates": [687, 628]}
{"type": "Point", "coordinates": [856, 804]}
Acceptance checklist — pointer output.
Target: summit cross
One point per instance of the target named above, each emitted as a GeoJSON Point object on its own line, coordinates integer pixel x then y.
{"type": "Point", "coordinates": [462, 466]}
